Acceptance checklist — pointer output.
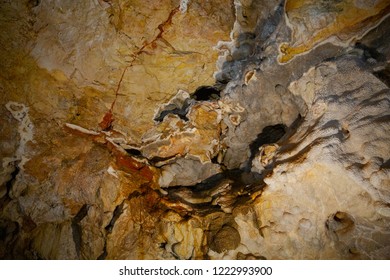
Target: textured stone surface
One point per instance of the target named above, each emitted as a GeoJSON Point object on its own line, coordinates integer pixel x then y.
{"type": "Point", "coordinates": [192, 130]}
{"type": "Point", "coordinates": [313, 22]}
{"type": "Point", "coordinates": [330, 168]}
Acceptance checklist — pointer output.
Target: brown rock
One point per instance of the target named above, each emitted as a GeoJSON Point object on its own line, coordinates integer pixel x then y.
{"type": "Point", "coordinates": [227, 238]}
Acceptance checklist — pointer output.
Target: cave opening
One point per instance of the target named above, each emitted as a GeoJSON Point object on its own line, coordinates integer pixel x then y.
{"type": "Point", "coordinates": [205, 93]}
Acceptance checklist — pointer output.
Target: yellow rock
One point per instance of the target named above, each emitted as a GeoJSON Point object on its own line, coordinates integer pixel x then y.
{"type": "Point", "coordinates": [175, 51]}
{"type": "Point", "coordinates": [316, 22]}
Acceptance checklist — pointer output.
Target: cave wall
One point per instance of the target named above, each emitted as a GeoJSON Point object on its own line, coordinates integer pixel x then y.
{"type": "Point", "coordinates": [194, 129]}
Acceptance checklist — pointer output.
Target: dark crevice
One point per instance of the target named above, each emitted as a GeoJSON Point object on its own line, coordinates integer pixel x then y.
{"type": "Point", "coordinates": [9, 238]}
{"type": "Point", "coordinates": [386, 164]}
{"type": "Point", "coordinates": [242, 183]}
{"type": "Point", "coordinates": [199, 209]}
{"type": "Point", "coordinates": [33, 3]}
{"type": "Point", "coordinates": [270, 134]}
{"type": "Point", "coordinates": [103, 256]}
{"type": "Point", "coordinates": [292, 128]}
{"type": "Point", "coordinates": [205, 93]}
{"type": "Point", "coordinates": [9, 235]}
{"type": "Point", "coordinates": [215, 160]}
{"type": "Point", "coordinates": [3, 233]}
{"type": "Point", "coordinates": [115, 216]}
{"type": "Point", "coordinates": [340, 223]}
{"type": "Point", "coordinates": [180, 112]}
{"type": "Point", "coordinates": [76, 227]}
{"type": "Point", "coordinates": [384, 75]}
{"type": "Point", "coordinates": [155, 160]}
{"type": "Point", "coordinates": [134, 152]}
{"type": "Point", "coordinates": [11, 181]}
{"type": "Point", "coordinates": [117, 212]}
{"type": "Point", "coordinates": [369, 52]}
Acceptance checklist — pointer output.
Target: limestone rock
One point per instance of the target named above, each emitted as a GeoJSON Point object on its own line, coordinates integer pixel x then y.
{"type": "Point", "coordinates": [186, 172]}
{"type": "Point", "coordinates": [172, 137]}
{"type": "Point", "coordinates": [192, 130]}
{"type": "Point", "coordinates": [330, 168]}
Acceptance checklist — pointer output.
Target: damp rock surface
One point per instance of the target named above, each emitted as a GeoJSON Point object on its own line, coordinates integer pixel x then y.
{"type": "Point", "coordinates": [194, 129]}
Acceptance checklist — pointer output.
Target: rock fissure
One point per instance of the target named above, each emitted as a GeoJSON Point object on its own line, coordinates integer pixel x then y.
{"type": "Point", "coordinates": [77, 229]}
{"type": "Point", "coordinates": [106, 123]}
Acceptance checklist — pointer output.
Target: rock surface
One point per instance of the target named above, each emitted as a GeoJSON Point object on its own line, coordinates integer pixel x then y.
{"type": "Point", "coordinates": [194, 129]}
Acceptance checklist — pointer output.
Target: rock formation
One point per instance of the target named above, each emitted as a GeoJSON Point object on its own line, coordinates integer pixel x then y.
{"type": "Point", "coordinates": [245, 129]}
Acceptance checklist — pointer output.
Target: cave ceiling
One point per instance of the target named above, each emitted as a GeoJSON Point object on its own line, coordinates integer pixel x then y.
{"type": "Point", "coordinates": [224, 129]}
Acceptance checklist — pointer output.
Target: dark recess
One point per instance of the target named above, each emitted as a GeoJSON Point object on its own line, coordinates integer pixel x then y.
{"type": "Point", "coordinates": [117, 212]}
{"type": "Point", "coordinates": [33, 3]}
{"type": "Point", "coordinates": [206, 93]}
{"type": "Point", "coordinates": [203, 93]}
{"type": "Point", "coordinates": [3, 233]}
{"type": "Point", "coordinates": [384, 75]}
{"type": "Point", "coordinates": [134, 152]}
{"type": "Point", "coordinates": [386, 164]}
{"type": "Point", "coordinates": [369, 52]}
{"type": "Point", "coordinates": [10, 182]}
{"type": "Point", "coordinates": [76, 227]}
{"type": "Point", "coordinates": [242, 182]}
{"type": "Point", "coordinates": [104, 254]}
{"type": "Point", "coordinates": [181, 112]}
{"type": "Point", "coordinates": [269, 134]}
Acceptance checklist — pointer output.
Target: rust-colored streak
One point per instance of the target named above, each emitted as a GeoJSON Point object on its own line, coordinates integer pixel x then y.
{"type": "Point", "coordinates": [167, 22]}
{"type": "Point", "coordinates": [128, 164]}
{"type": "Point", "coordinates": [106, 123]}
{"type": "Point", "coordinates": [108, 119]}
{"type": "Point", "coordinates": [147, 173]}
{"type": "Point", "coordinates": [125, 162]}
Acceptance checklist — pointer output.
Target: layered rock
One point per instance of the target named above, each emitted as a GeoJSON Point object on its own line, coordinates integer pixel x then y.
{"type": "Point", "coordinates": [191, 130]}
{"type": "Point", "coordinates": [326, 165]}
{"type": "Point", "coordinates": [315, 22]}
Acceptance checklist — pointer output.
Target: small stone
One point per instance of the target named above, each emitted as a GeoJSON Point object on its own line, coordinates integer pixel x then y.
{"type": "Point", "coordinates": [227, 238]}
